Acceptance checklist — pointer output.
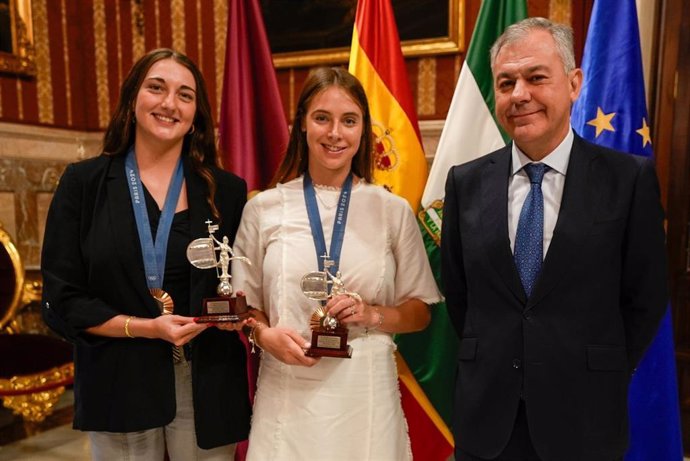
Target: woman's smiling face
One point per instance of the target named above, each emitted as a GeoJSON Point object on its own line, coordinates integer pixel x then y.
{"type": "Point", "coordinates": [333, 125]}
{"type": "Point", "coordinates": [166, 102]}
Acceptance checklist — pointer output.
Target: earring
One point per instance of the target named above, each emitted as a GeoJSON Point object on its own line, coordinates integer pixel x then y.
{"type": "Point", "coordinates": [192, 129]}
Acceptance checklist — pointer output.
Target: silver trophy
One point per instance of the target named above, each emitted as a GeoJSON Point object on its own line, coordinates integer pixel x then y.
{"type": "Point", "coordinates": [201, 253]}
{"type": "Point", "coordinates": [328, 336]}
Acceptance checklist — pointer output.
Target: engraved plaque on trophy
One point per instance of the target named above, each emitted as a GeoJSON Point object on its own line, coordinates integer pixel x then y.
{"type": "Point", "coordinates": [201, 253]}
{"type": "Point", "coordinates": [328, 336]}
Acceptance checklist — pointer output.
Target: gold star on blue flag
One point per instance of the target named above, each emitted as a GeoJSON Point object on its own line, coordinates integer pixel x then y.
{"type": "Point", "coordinates": [644, 132]}
{"type": "Point", "coordinates": [602, 122]}
{"type": "Point", "coordinates": [613, 80]}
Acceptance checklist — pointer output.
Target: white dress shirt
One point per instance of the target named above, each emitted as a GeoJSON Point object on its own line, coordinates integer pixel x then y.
{"type": "Point", "coordinates": [551, 187]}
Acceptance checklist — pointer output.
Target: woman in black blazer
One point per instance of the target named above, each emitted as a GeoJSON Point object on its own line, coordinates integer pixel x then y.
{"type": "Point", "coordinates": [105, 286]}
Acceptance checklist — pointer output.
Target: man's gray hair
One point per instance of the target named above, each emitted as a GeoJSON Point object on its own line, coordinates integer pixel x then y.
{"type": "Point", "coordinates": [562, 36]}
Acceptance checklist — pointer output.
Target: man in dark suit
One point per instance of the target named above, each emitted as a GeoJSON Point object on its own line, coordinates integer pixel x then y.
{"type": "Point", "coordinates": [554, 266]}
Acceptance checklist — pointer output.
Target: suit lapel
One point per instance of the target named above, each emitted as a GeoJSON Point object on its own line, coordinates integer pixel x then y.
{"type": "Point", "coordinates": [574, 219]}
{"type": "Point", "coordinates": [124, 230]}
{"type": "Point", "coordinates": [199, 213]}
{"type": "Point", "coordinates": [494, 216]}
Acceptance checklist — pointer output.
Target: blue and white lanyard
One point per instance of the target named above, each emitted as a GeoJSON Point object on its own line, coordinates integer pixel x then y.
{"type": "Point", "coordinates": [154, 253]}
{"type": "Point", "coordinates": [338, 226]}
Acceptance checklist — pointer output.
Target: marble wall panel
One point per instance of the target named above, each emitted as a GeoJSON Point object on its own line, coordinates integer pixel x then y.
{"type": "Point", "coordinates": [32, 159]}
{"type": "Point", "coordinates": [7, 214]}
{"type": "Point", "coordinates": [21, 181]}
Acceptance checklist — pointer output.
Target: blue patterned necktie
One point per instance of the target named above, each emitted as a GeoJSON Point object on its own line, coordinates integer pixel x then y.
{"type": "Point", "coordinates": [529, 238]}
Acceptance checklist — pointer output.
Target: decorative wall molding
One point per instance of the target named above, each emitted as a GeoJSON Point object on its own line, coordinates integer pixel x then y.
{"type": "Point", "coordinates": [431, 133]}
{"type": "Point", "coordinates": [426, 86]}
{"type": "Point", "coordinates": [44, 78]}
{"type": "Point", "coordinates": [220, 26]}
{"type": "Point", "coordinates": [179, 40]}
{"type": "Point", "coordinates": [31, 142]}
{"type": "Point", "coordinates": [100, 43]}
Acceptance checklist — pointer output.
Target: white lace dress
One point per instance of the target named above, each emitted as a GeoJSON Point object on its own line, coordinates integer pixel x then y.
{"type": "Point", "coordinates": [340, 409]}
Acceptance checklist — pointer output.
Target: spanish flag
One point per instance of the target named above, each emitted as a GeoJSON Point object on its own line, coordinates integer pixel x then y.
{"type": "Point", "coordinates": [376, 60]}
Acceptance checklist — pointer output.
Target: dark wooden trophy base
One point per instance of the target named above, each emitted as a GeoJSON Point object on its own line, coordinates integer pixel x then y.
{"type": "Point", "coordinates": [223, 309]}
{"type": "Point", "coordinates": [329, 343]}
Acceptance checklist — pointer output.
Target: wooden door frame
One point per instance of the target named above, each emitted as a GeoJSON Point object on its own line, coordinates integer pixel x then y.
{"type": "Point", "coordinates": [671, 135]}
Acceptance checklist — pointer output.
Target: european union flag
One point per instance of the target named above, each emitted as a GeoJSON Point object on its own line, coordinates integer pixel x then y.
{"type": "Point", "coordinates": [612, 111]}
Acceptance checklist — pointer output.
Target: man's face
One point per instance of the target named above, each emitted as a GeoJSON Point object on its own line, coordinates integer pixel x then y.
{"type": "Point", "coordinates": [534, 94]}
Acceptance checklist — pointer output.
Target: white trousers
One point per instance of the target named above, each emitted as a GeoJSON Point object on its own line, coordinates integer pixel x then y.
{"type": "Point", "coordinates": [178, 437]}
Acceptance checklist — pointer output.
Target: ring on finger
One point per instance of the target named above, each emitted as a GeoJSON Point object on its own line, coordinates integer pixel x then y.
{"type": "Point", "coordinates": [355, 297]}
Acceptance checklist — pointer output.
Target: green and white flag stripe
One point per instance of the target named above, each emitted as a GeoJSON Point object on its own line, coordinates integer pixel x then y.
{"type": "Point", "coordinates": [470, 131]}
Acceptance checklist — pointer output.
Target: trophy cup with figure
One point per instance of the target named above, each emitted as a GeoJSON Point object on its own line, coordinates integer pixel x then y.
{"type": "Point", "coordinates": [201, 253]}
{"type": "Point", "coordinates": [328, 336]}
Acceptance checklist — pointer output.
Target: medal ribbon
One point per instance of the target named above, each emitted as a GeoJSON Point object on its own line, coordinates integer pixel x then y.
{"type": "Point", "coordinates": [338, 225]}
{"type": "Point", "coordinates": [154, 253]}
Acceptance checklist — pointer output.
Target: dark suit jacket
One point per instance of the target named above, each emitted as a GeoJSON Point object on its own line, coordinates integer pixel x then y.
{"type": "Point", "coordinates": [93, 270]}
{"type": "Point", "coordinates": [569, 350]}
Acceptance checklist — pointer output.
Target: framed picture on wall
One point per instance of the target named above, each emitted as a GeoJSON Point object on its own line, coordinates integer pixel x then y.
{"type": "Point", "coordinates": [16, 38]}
{"type": "Point", "coordinates": [312, 32]}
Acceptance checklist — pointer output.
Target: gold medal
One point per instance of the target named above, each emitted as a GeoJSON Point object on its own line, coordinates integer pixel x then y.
{"type": "Point", "coordinates": [166, 306]}
{"type": "Point", "coordinates": [163, 300]}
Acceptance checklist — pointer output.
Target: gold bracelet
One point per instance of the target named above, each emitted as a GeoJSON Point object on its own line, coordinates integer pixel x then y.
{"type": "Point", "coordinates": [129, 319]}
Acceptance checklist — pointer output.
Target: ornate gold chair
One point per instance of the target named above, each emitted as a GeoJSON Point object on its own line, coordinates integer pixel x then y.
{"type": "Point", "coordinates": [34, 368]}
{"type": "Point", "coordinates": [11, 279]}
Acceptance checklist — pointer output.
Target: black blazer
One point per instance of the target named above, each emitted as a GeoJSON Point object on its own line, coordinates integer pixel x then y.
{"type": "Point", "coordinates": [569, 350]}
{"type": "Point", "coordinates": [92, 270]}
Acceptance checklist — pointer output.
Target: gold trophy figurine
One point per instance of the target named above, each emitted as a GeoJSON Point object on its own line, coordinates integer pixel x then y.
{"type": "Point", "coordinates": [201, 253]}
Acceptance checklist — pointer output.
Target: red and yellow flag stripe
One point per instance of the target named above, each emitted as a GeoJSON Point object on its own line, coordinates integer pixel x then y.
{"type": "Point", "coordinates": [430, 437]}
{"type": "Point", "coordinates": [376, 60]}
{"type": "Point", "coordinates": [400, 165]}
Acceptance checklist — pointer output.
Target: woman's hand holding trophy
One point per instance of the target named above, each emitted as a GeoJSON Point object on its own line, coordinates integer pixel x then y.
{"type": "Point", "coordinates": [201, 253]}
{"type": "Point", "coordinates": [338, 309]}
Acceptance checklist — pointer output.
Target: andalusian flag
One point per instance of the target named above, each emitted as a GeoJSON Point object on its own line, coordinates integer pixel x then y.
{"type": "Point", "coordinates": [376, 60]}
{"type": "Point", "coordinates": [470, 131]}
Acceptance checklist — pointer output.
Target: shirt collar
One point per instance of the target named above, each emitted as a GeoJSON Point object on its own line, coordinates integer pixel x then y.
{"type": "Point", "coordinates": [557, 159]}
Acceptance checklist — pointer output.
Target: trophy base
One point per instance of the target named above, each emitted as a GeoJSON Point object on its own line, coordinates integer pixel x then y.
{"type": "Point", "coordinates": [223, 309]}
{"type": "Point", "coordinates": [329, 343]}
{"type": "Point", "coordinates": [222, 318]}
{"type": "Point", "coordinates": [322, 352]}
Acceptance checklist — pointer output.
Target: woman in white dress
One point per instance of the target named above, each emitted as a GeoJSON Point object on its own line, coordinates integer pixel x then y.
{"type": "Point", "coordinates": [331, 408]}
